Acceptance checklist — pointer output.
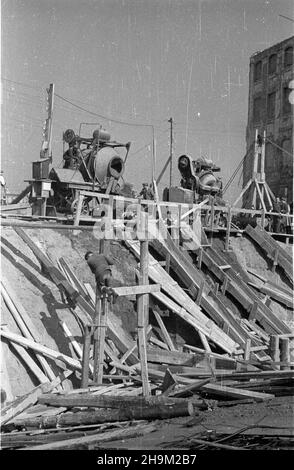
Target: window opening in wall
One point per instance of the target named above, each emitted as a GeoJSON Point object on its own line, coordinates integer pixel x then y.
{"type": "Point", "coordinates": [272, 63]}
{"type": "Point", "coordinates": [257, 71]}
{"type": "Point", "coordinates": [271, 105]}
{"type": "Point", "coordinates": [288, 56]}
{"type": "Point", "coordinates": [286, 101]}
{"type": "Point", "coordinates": [257, 109]}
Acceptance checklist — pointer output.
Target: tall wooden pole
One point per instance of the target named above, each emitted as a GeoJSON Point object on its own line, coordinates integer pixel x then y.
{"type": "Point", "coordinates": [142, 310]}
{"type": "Point", "coordinates": [171, 153]}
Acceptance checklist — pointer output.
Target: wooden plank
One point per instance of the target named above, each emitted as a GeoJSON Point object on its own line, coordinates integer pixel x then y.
{"type": "Point", "coordinates": [274, 294]}
{"type": "Point", "coordinates": [95, 439]}
{"type": "Point", "coordinates": [134, 290]}
{"type": "Point", "coordinates": [270, 247]}
{"type": "Point", "coordinates": [221, 390]}
{"type": "Point", "coordinates": [55, 355]}
{"type": "Point", "coordinates": [86, 357]}
{"type": "Point", "coordinates": [173, 357]}
{"type": "Point", "coordinates": [24, 402]}
{"type": "Point", "coordinates": [30, 363]}
{"type": "Point", "coordinates": [244, 294]}
{"type": "Point", "coordinates": [165, 333]}
{"type": "Point", "coordinates": [189, 389]}
{"type": "Point", "coordinates": [200, 321]}
{"type": "Point", "coordinates": [24, 322]}
{"type": "Point", "coordinates": [200, 290]}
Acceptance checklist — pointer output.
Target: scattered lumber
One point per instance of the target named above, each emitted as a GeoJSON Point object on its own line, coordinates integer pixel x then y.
{"type": "Point", "coordinates": [243, 294]}
{"type": "Point", "coordinates": [24, 402]}
{"type": "Point", "coordinates": [86, 441]}
{"type": "Point", "coordinates": [198, 288]}
{"type": "Point", "coordinates": [56, 355]}
{"type": "Point", "coordinates": [24, 323]}
{"type": "Point", "coordinates": [182, 304]}
{"type": "Point", "coordinates": [272, 249]}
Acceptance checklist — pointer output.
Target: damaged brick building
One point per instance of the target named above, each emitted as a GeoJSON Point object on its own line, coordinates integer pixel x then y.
{"type": "Point", "coordinates": [269, 109]}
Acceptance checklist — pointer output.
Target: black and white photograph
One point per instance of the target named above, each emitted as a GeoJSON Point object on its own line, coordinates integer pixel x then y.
{"type": "Point", "coordinates": [146, 231]}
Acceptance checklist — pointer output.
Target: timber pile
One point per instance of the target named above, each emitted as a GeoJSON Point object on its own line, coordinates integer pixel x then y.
{"type": "Point", "coordinates": [240, 359]}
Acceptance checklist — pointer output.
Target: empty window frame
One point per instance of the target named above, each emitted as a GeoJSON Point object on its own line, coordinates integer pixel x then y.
{"type": "Point", "coordinates": [288, 56]}
{"type": "Point", "coordinates": [271, 105]}
{"type": "Point", "coordinates": [269, 157]}
{"type": "Point", "coordinates": [257, 109]}
{"type": "Point", "coordinates": [286, 100]}
{"type": "Point", "coordinates": [257, 71]}
{"type": "Point", "coordinates": [272, 64]}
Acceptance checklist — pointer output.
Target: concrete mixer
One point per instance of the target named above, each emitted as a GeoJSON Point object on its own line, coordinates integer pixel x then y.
{"type": "Point", "coordinates": [198, 180]}
{"type": "Point", "coordinates": [92, 164]}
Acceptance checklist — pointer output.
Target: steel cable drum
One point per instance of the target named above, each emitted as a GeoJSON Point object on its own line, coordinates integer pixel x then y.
{"type": "Point", "coordinates": [107, 163]}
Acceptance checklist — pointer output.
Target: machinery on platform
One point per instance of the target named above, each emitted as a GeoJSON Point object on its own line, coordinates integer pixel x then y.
{"type": "Point", "coordinates": [198, 180]}
{"type": "Point", "coordinates": [89, 164]}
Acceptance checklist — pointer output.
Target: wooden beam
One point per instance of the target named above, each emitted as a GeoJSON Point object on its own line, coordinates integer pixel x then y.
{"type": "Point", "coordinates": [24, 322]}
{"type": "Point", "coordinates": [24, 402]}
{"type": "Point", "coordinates": [221, 390]}
{"type": "Point", "coordinates": [134, 290]}
{"type": "Point", "coordinates": [88, 441]}
{"type": "Point", "coordinates": [165, 333]}
{"type": "Point", "coordinates": [52, 354]}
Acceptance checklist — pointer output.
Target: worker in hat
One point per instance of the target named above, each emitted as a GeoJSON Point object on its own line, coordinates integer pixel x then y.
{"type": "Point", "coordinates": [100, 266]}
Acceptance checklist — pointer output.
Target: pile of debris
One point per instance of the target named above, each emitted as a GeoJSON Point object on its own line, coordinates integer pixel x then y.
{"type": "Point", "coordinates": [242, 358]}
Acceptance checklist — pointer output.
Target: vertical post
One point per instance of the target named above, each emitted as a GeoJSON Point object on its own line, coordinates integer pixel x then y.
{"type": "Point", "coordinates": [275, 260]}
{"type": "Point", "coordinates": [247, 350]}
{"type": "Point", "coordinates": [285, 352]}
{"type": "Point", "coordinates": [144, 252]}
{"type": "Point", "coordinates": [101, 311]}
{"type": "Point", "coordinates": [262, 218]}
{"type": "Point", "coordinates": [171, 153]}
{"type": "Point", "coordinates": [142, 320]}
{"type": "Point", "coordinates": [211, 219]}
{"type": "Point", "coordinates": [262, 159]}
{"type": "Point", "coordinates": [274, 349]}
{"type": "Point", "coordinates": [255, 167]}
{"type": "Point", "coordinates": [229, 220]}
{"type": "Point", "coordinates": [179, 236]}
{"type": "Point", "coordinates": [199, 259]}
{"type": "Point", "coordinates": [79, 208]}
{"type": "Point", "coordinates": [46, 149]}
{"type": "Point", "coordinates": [86, 356]}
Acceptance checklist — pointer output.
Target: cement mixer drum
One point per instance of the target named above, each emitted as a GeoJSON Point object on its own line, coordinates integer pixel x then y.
{"type": "Point", "coordinates": [107, 163]}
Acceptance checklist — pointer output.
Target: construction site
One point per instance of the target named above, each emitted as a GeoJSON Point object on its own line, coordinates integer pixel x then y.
{"type": "Point", "coordinates": [187, 344]}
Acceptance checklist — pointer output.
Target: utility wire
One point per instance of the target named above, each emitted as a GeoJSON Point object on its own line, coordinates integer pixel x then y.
{"type": "Point", "coordinates": [107, 118]}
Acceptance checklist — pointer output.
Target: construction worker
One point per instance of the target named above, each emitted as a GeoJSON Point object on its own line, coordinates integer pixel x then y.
{"type": "Point", "coordinates": [277, 218]}
{"type": "Point", "coordinates": [100, 267]}
{"type": "Point", "coordinates": [285, 209]}
{"type": "Point", "coordinates": [144, 191]}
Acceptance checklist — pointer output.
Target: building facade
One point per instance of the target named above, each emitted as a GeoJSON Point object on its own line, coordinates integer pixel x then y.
{"type": "Point", "coordinates": [270, 109]}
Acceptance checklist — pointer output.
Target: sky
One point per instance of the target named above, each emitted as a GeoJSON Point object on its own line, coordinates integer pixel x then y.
{"type": "Point", "coordinates": [135, 63]}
